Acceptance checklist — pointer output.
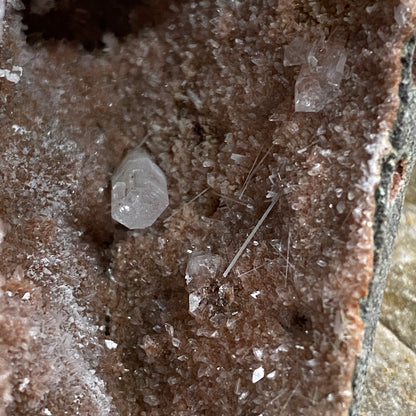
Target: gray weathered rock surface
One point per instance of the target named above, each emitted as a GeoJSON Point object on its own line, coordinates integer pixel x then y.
{"type": "Point", "coordinates": [397, 165]}
{"type": "Point", "coordinates": [391, 379]}
{"type": "Point", "coordinates": [390, 389]}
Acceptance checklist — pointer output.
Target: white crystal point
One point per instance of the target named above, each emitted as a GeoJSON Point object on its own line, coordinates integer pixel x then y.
{"type": "Point", "coordinates": [139, 191]}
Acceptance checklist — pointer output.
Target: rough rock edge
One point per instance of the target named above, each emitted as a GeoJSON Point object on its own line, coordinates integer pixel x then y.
{"type": "Point", "coordinates": [387, 214]}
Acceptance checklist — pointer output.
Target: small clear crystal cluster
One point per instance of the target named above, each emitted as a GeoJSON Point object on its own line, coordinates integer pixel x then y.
{"type": "Point", "coordinates": [322, 69]}
{"type": "Point", "coordinates": [201, 272]}
{"type": "Point", "coordinates": [139, 191]}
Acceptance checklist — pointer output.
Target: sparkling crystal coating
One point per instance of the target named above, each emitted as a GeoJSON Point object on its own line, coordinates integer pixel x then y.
{"type": "Point", "coordinates": [245, 299]}
{"type": "Point", "coordinates": [139, 191]}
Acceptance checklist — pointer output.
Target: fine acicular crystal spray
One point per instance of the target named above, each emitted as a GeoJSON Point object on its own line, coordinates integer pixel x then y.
{"type": "Point", "coordinates": [139, 192]}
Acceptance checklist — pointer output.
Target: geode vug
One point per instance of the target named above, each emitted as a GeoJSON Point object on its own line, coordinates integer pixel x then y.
{"type": "Point", "coordinates": [243, 297]}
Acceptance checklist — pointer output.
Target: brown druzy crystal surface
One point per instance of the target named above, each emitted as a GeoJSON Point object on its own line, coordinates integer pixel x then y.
{"type": "Point", "coordinates": [99, 320]}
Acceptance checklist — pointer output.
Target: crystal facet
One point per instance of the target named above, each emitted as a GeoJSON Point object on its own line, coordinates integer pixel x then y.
{"type": "Point", "coordinates": [201, 272]}
{"type": "Point", "coordinates": [139, 191]}
{"type": "Point", "coordinates": [321, 72]}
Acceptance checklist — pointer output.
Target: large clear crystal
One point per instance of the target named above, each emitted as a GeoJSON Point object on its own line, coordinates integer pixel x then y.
{"type": "Point", "coordinates": [139, 191]}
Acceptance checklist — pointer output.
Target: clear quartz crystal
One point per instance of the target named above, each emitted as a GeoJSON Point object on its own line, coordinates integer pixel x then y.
{"type": "Point", "coordinates": [296, 52]}
{"type": "Point", "coordinates": [313, 92]}
{"type": "Point", "coordinates": [201, 271]}
{"type": "Point", "coordinates": [322, 70]}
{"type": "Point", "coordinates": [309, 94]}
{"type": "Point", "coordinates": [139, 191]}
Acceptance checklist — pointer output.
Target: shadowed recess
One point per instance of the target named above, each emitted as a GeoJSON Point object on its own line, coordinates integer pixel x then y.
{"type": "Point", "coordinates": [86, 21]}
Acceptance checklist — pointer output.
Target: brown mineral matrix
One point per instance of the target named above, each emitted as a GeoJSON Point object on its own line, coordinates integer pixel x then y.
{"type": "Point", "coordinates": [243, 297]}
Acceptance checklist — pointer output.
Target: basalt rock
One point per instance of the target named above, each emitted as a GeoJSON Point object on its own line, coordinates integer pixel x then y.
{"type": "Point", "coordinates": [283, 129]}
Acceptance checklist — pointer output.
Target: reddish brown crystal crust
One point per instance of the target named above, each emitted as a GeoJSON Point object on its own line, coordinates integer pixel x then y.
{"type": "Point", "coordinates": [207, 86]}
